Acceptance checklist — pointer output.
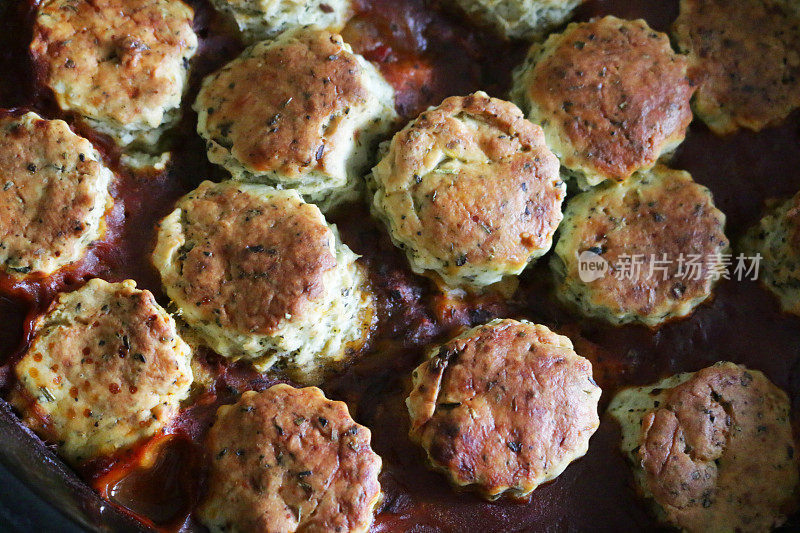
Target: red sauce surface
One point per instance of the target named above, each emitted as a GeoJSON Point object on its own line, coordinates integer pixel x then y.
{"type": "Point", "coordinates": [427, 54]}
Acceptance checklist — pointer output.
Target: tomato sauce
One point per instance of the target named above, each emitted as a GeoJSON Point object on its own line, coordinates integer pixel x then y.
{"type": "Point", "coordinates": [427, 53]}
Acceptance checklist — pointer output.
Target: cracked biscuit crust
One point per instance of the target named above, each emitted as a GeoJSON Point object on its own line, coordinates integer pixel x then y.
{"type": "Point", "coordinates": [470, 191]}
{"type": "Point", "coordinates": [287, 460]}
{"type": "Point", "coordinates": [713, 449]}
{"type": "Point", "coordinates": [504, 407]}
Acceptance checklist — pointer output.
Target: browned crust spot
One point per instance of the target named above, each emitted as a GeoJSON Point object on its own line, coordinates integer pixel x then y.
{"type": "Point", "coordinates": [277, 109]}
{"type": "Point", "coordinates": [665, 220]}
{"type": "Point", "coordinates": [501, 204]}
{"type": "Point", "coordinates": [250, 262]}
{"type": "Point", "coordinates": [504, 408]}
{"type": "Point", "coordinates": [747, 54]}
{"type": "Point", "coordinates": [617, 92]}
{"type": "Point", "coordinates": [289, 459]}
{"type": "Point", "coordinates": [48, 191]}
{"type": "Point", "coordinates": [115, 60]}
{"type": "Point", "coordinates": [719, 454]}
{"type": "Point", "coordinates": [96, 379]}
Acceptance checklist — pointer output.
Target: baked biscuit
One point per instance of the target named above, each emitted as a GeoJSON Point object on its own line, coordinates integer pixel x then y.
{"type": "Point", "coordinates": [260, 275]}
{"type": "Point", "coordinates": [315, 126]}
{"type": "Point", "coordinates": [469, 191]}
{"type": "Point", "coordinates": [287, 460]}
{"type": "Point", "coordinates": [777, 239]}
{"type": "Point", "coordinates": [747, 54]}
{"type": "Point", "coordinates": [105, 369]}
{"type": "Point", "coordinates": [504, 407]}
{"type": "Point", "coordinates": [264, 19]}
{"type": "Point", "coordinates": [53, 195]}
{"type": "Point", "coordinates": [121, 65]}
{"type": "Point", "coordinates": [656, 244]}
{"type": "Point", "coordinates": [610, 94]}
{"type": "Point", "coordinates": [712, 449]}
{"type": "Point", "coordinates": [519, 19]}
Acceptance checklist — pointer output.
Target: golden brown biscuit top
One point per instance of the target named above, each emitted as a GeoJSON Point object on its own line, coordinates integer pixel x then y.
{"type": "Point", "coordinates": [504, 407]}
{"type": "Point", "coordinates": [289, 459]}
{"type": "Point", "coordinates": [659, 232]}
{"type": "Point", "coordinates": [49, 182]}
{"type": "Point", "coordinates": [106, 355]}
{"type": "Point", "coordinates": [251, 262]}
{"type": "Point", "coordinates": [616, 90]}
{"type": "Point", "coordinates": [718, 453]}
{"type": "Point", "coordinates": [747, 54]}
{"type": "Point", "coordinates": [123, 335]}
{"type": "Point", "coordinates": [277, 107]}
{"type": "Point", "coordinates": [472, 181]}
{"type": "Point", "coordinates": [117, 60]}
